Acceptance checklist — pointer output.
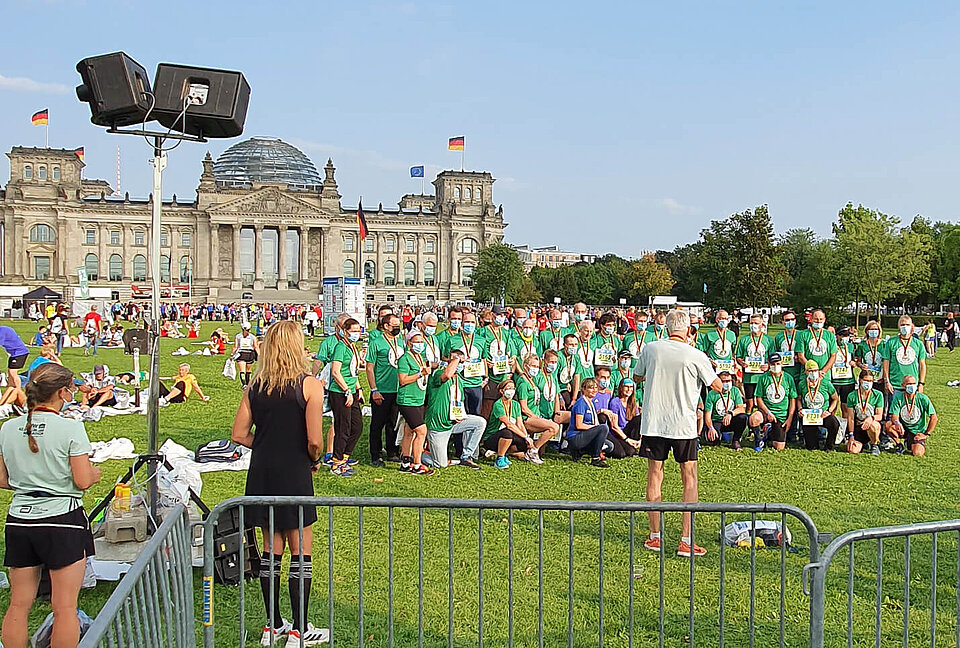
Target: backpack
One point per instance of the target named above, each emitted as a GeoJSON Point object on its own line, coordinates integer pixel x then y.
{"type": "Point", "coordinates": [217, 452]}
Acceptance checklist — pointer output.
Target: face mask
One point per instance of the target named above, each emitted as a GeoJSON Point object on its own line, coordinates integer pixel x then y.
{"type": "Point", "coordinates": [604, 383]}
{"type": "Point", "coordinates": [454, 325]}
{"type": "Point", "coordinates": [905, 330]}
{"type": "Point", "coordinates": [581, 316]}
{"type": "Point", "coordinates": [813, 376]}
{"type": "Point", "coordinates": [659, 327]}
{"type": "Point", "coordinates": [641, 326]}
{"type": "Point", "coordinates": [754, 328]}
{"type": "Point", "coordinates": [776, 369]}
{"type": "Point", "coordinates": [910, 389]}
{"type": "Point", "coordinates": [724, 323]}
{"type": "Point", "coordinates": [727, 386]}
{"type": "Point", "coordinates": [469, 327]}
{"type": "Point", "coordinates": [395, 331]}
{"type": "Point", "coordinates": [551, 367]}
{"type": "Point", "coordinates": [625, 364]}
{"type": "Point", "coordinates": [873, 334]}
{"type": "Point", "coordinates": [533, 372]}
{"type": "Point", "coordinates": [508, 393]}
{"type": "Point", "coordinates": [430, 330]}
{"type": "Point", "coordinates": [571, 350]}
{"type": "Point", "coordinates": [354, 336]}
{"type": "Point", "coordinates": [499, 320]}
{"type": "Point", "coordinates": [608, 330]}
{"type": "Point", "coordinates": [816, 325]}
{"type": "Point", "coordinates": [696, 327]}
{"type": "Point", "coordinates": [844, 340]}
{"type": "Point", "coordinates": [418, 347]}
{"type": "Point", "coordinates": [528, 332]}
{"type": "Point", "coordinates": [459, 367]}
{"type": "Point", "coordinates": [556, 323]}
{"type": "Point", "coordinates": [866, 386]}
{"type": "Point", "coordinates": [790, 325]}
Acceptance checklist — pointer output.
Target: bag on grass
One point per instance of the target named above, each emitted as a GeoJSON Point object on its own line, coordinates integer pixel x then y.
{"type": "Point", "coordinates": [217, 452]}
{"type": "Point", "coordinates": [767, 532]}
{"type": "Point", "coordinates": [230, 369]}
{"type": "Point", "coordinates": [41, 638]}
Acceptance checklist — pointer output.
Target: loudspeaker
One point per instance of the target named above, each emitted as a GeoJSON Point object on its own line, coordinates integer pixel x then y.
{"type": "Point", "coordinates": [218, 100]}
{"type": "Point", "coordinates": [116, 87]}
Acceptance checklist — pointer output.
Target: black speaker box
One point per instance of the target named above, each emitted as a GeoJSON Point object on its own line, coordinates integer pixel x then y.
{"type": "Point", "coordinates": [116, 87]}
{"type": "Point", "coordinates": [221, 115]}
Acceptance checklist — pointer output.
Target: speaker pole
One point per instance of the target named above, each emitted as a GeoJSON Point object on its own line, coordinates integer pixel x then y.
{"type": "Point", "coordinates": [153, 404]}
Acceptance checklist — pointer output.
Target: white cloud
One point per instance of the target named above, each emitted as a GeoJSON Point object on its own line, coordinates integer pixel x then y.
{"type": "Point", "coordinates": [23, 84]}
{"type": "Point", "coordinates": [674, 208]}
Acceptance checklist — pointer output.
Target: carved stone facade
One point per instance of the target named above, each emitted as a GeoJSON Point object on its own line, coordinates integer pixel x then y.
{"type": "Point", "coordinates": [277, 241]}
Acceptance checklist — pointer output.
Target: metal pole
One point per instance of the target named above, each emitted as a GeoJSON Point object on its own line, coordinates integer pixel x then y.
{"type": "Point", "coordinates": [153, 411]}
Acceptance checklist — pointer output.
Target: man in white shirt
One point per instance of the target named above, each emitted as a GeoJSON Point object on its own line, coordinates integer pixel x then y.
{"type": "Point", "coordinates": [673, 374]}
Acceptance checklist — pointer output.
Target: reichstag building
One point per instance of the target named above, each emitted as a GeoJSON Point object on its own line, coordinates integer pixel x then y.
{"type": "Point", "coordinates": [264, 222]}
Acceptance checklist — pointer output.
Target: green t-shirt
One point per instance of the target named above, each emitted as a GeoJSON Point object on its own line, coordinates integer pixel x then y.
{"type": "Point", "coordinates": [496, 343]}
{"type": "Point", "coordinates": [819, 399]}
{"type": "Point", "coordinates": [817, 347]}
{"type": "Point", "coordinates": [567, 368]}
{"type": "Point", "coordinates": [776, 397]}
{"type": "Point", "coordinates": [431, 350]}
{"type": "Point", "coordinates": [373, 334]}
{"type": "Point", "coordinates": [634, 341]}
{"type": "Point", "coordinates": [862, 410]}
{"type": "Point", "coordinates": [605, 349]}
{"type": "Point", "coordinates": [718, 344]}
{"type": "Point", "coordinates": [787, 348]}
{"type": "Point", "coordinates": [904, 360]}
{"type": "Point", "coordinates": [548, 396]}
{"type": "Point", "coordinates": [349, 366]}
{"type": "Point", "coordinates": [551, 338]}
{"type": "Point", "coordinates": [844, 356]}
{"type": "Point", "coordinates": [913, 416]}
{"type": "Point", "coordinates": [872, 359]}
{"type": "Point", "coordinates": [472, 347]}
{"type": "Point", "coordinates": [325, 351]}
{"type": "Point", "coordinates": [617, 376]}
{"type": "Point", "coordinates": [411, 394]}
{"type": "Point", "coordinates": [530, 391]}
{"type": "Point", "coordinates": [385, 355]}
{"type": "Point", "coordinates": [519, 348]}
{"type": "Point", "coordinates": [585, 356]}
{"type": "Point", "coordinates": [499, 410]}
{"type": "Point", "coordinates": [719, 405]}
{"type": "Point", "coordinates": [753, 349]}
{"type": "Point", "coordinates": [47, 471]}
{"type": "Point", "coordinates": [443, 340]}
{"type": "Point", "coordinates": [440, 394]}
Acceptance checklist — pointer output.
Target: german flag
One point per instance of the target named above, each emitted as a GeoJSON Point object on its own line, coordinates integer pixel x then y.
{"type": "Point", "coordinates": [361, 222]}
{"type": "Point", "coordinates": [41, 117]}
{"type": "Point", "coordinates": [456, 144]}
{"type": "Point", "coordinates": [79, 152]}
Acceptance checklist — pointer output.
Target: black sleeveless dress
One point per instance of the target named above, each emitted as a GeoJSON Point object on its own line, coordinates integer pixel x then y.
{"type": "Point", "coordinates": [279, 463]}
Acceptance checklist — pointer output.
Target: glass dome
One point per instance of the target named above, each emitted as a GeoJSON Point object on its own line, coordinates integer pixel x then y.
{"type": "Point", "coordinates": [265, 159]}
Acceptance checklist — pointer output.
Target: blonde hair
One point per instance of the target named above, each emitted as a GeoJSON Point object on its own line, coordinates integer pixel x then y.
{"type": "Point", "coordinates": [282, 360]}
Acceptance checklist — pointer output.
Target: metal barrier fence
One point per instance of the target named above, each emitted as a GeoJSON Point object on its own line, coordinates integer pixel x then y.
{"type": "Point", "coordinates": [887, 606]}
{"type": "Point", "coordinates": [455, 572]}
{"type": "Point", "coordinates": [152, 607]}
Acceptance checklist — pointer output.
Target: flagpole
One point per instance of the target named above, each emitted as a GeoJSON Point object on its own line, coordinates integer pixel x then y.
{"type": "Point", "coordinates": [46, 133]}
{"type": "Point", "coordinates": [360, 272]}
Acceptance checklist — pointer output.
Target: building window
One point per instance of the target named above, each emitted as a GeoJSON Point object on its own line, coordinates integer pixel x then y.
{"type": "Point", "coordinates": [390, 244]}
{"type": "Point", "coordinates": [185, 270]}
{"type": "Point", "coordinates": [410, 245]}
{"type": "Point", "coordinates": [41, 267]}
{"type": "Point", "coordinates": [41, 173]}
{"type": "Point", "coordinates": [163, 238]}
{"type": "Point", "coordinates": [466, 275]}
{"type": "Point", "coordinates": [389, 273]}
{"type": "Point", "coordinates": [138, 238]}
{"type": "Point", "coordinates": [368, 244]}
{"type": "Point", "coordinates": [114, 237]}
{"type": "Point", "coordinates": [92, 266]}
{"type": "Point", "coordinates": [478, 194]}
{"type": "Point", "coordinates": [429, 245]}
{"type": "Point", "coordinates": [41, 234]}
{"type": "Point", "coordinates": [467, 194]}
{"type": "Point", "coordinates": [116, 267]}
{"type": "Point", "coordinates": [456, 193]}
{"type": "Point", "coordinates": [429, 270]}
{"type": "Point", "coordinates": [370, 272]}
{"type": "Point", "coordinates": [349, 268]}
{"type": "Point", "coordinates": [139, 268]}
{"type": "Point", "coordinates": [409, 273]}
{"type": "Point", "coordinates": [90, 236]}
{"type": "Point", "coordinates": [56, 173]}
{"type": "Point", "coordinates": [348, 243]}
{"type": "Point", "coordinates": [186, 239]}
{"type": "Point", "coordinates": [467, 246]}
{"type": "Point", "coordinates": [27, 172]}
{"type": "Point", "coordinates": [164, 269]}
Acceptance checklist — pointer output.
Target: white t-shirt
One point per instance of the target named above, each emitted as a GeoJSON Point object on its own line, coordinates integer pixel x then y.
{"type": "Point", "coordinates": [674, 374]}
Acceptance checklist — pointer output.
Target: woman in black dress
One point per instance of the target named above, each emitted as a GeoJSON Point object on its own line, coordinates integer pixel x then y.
{"type": "Point", "coordinates": [280, 420]}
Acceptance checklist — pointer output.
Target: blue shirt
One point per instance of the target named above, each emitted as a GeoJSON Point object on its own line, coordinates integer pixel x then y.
{"type": "Point", "coordinates": [36, 363]}
{"type": "Point", "coordinates": [582, 408]}
{"type": "Point", "coordinates": [12, 343]}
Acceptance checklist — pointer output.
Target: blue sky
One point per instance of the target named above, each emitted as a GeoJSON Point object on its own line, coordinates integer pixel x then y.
{"type": "Point", "coordinates": [611, 127]}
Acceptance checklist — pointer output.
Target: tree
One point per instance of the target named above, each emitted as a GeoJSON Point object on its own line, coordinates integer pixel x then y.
{"type": "Point", "coordinates": [761, 279]}
{"type": "Point", "coordinates": [565, 285]}
{"type": "Point", "coordinates": [498, 274]}
{"type": "Point", "coordinates": [528, 293]}
{"type": "Point", "coordinates": [911, 272]}
{"type": "Point", "coordinates": [647, 278]}
{"type": "Point", "coordinates": [866, 241]}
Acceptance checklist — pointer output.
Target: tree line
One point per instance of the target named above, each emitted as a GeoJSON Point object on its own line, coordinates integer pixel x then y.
{"type": "Point", "coordinates": [870, 258]}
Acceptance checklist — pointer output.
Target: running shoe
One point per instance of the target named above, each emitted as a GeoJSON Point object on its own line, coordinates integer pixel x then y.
{"type": "Point", "coordinates": [342, 470]}
{"type": "Point", "coordinates": [684, 549]}
{"type": "Point", "coordinates": [470, 463]}
{"type": "Point", "coordinates": [421, 470]}
{"type": "Point", "coordinates": [328, 459]}
{"type": "Point", "coordinates": [874, 449]}
{"type": "Point", "coordinates": [311, 637]}
{"type": "Point", "coordinates": [502, 463]}
{"type": "Point", "coordinates": [653, 544]}
{"type": "Point", "coordinates": [352, 462]}
{"type": "Point", "coordinates": [277, 633]}
{"type": "Point", "coordinates": [533, 456]}
{"type": "Point", "coordinates": [599, 462]}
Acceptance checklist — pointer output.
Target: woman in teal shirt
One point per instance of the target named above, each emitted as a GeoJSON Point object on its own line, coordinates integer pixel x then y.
{"type": "Point", "coordinates": [345, 398]}
{"type": "Point", "coordinates": [413, 370]}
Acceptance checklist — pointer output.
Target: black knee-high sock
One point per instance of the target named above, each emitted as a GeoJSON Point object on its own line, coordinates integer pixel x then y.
{"type": "Point", "coordinates": [300, 624]}
{"type": "Point", "coordinates": [267, 591]}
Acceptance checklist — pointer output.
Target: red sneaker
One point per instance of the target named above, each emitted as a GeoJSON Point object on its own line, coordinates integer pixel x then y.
{"type": "Point", "coordinates": [653, 544]}
{"type": "Point", "coordinates": [684, 550]}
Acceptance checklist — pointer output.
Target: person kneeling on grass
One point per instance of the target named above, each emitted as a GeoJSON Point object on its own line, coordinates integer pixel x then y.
{"type": "Point", "coordinates": [819, 403]}
{"type": "Point", "coordinates": [447, 415]}
{"type": "Point", "coordinates": [185, 383]}
{"type": "Point", "coordinates": [505, 430]}
{"type": "Point", "coordinates": [727, 417]}
{"type": "Point", "coordinates": [912, 418]}
{"type": "Point", "coordinates": [775, 395]}
{"type": "Point", "coordinates": [864, 413]}
{"type": "Point", "coordinates": [586, 433]}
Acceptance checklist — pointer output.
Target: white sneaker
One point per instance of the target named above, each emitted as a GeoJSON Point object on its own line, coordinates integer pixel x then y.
{"type": "Point", "coordinates": [489, 454]}
{"type": "Point", "coordinates": [277, 633]}
{"type": "Point", "coordinates": [162, 402]}
{"type": "Point", "coordinates": [311, 637]}
{"type": "Point", "coordinates": [533, 456]}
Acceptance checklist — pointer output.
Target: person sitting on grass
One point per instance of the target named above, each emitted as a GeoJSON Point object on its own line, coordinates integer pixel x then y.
{"type": "Point", "coordinates": [818, 403]}
{"type": "Point", "coordinates": [912, 418]}
{"type": "Point", "coordinates": [624, 421]}
{"type": "Point", "coordinates": [505, 430]}
{"type": "Point", "coordinates": [97, 389]}
{"type": "Point", "coordinates": [586, 433]}
{"type": "Point", "coordinates": [864, 413]}
{"type": "Point", "coordinates": [530, 391]}
{"type": "Point", "coordinates": [185, 383]}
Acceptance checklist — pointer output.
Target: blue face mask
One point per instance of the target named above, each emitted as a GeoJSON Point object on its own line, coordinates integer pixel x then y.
{"type": "Point", "coordinates": [430, 330]}
{"type": "Point", "coordinates": [873, 334]}
{"type": "Point", "coordinates": [911, 389]}
{"type": "Point", "coordinates": [551, 367]}
{"type": "Point", "coordinates": [816, 325]}
{"type": "Point", "coordinates": [604, 383]}
{"type": "Point", "coordinates": [727, 386]}
{"type": "Point", "coordinates": [905, 330]}
{"type": "Point", "coordinates": [499, 320]}
{"type": "Point", "coordinates": [608, 330]}
{"type": "Point", "coordinates": [641, 326]}
{"type": "Point", "coordinates": [724, 323]}
{"type": "Point", "coordinates": [533, 372]}
{"type": "Point", "coordinates": [454, 325]}
{"type": "Point", "coordinates": [659, 327]}
{"type": "Point", "coordinates": [418, 347]}
{"type": "Point", "coordinates": [556, 323]}
{"type": "Point", "coordinates": [696, 327]}
{"type": "Point", "coordinates": [571, 350]}
{"type": "Point", "coordinates": [469, 327]}
{"type": "Point", "coordinates": [353, 336]}
{"type": "Point", "coordinates": [790, 325]}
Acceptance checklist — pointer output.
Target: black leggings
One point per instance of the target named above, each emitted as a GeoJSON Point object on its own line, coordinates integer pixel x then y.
{"type": "Point", "coordinates": [347, 424]}
{"type": "Point", "coordinates": [383, 418]}
{"type": "Point", "coordinates": [811, 433]}
{"type": "Point", "coordinates": [621, 449]}
{"type": "Point", "coordinates": [632, 429]}
{"type": "Point", "coordinates": [518, 444]}
{"type": "Point", "coordinates": [738, 424]}
{"type": "Point", "coordinates": [591, 440]}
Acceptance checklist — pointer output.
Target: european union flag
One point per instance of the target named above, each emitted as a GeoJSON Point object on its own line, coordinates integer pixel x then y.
{"type": "Point", "coordinates": [416, 172]}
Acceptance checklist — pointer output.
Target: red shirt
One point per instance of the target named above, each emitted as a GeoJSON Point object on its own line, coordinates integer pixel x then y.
{"type": "Point", "coordinates": [92, 316]}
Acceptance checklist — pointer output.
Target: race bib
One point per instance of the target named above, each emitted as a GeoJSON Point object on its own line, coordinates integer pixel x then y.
{"type": "Point", "coordinates": [501, 364]}
{"type": "Point", "coordinates": [605, 356]}
{"type": "Point", "coordinates": [754, 364]}
{"type": "Point", "coordinates": [473, 369]}
{"type": "Point", "coordinates": [813, 416]}
{"type": "Point", "coordinates": [786, 358]}
{"type": "Point", "coordinates": [457, 411]}
{"type": "Point", "coordinates": [841, 371]}
{"type": "Point", "coordinates": [725, 365]}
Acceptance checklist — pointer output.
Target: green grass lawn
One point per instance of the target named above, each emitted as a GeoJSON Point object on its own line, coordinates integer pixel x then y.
{"type": "Point", "coordinates": [839, 491]}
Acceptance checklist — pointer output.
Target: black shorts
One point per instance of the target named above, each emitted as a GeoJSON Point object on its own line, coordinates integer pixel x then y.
{"type": "Point", "coordinates": [413, 415]}
{"type": "Point", "coordinates": [860, 435]}
{"type": "Point", "coordinates": [247, 355]}
{"type": "Point", "coordinates": [749, 389]}
{"type": "Point", "coordinates": [911, 440]}
{"type": "Point", "coordinates": [55, 542]}
{"type": "Point", "coordinates": [17, 362]}
{"type": "Point", "coordinates": [658, 449]}
{"type": "Point", "coordinates": [843, 391]}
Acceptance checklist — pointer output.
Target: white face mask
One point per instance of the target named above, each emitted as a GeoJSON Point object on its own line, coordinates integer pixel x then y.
{"type": "Point", "coordinates": [508, 393]}
{"type": "Point", "coordinates": [813, 376]}
{"type": "Point", "coordinates": [625, 364]}
{"type": "Point", "coordinates": [571, 350]}
{"type": "Point", "coordinates": [641, 326]}
{"type": "Point", "coordinates": [727, 386]}
{"type": "Point", "coordinates": [533, 372]}
{"type": "Point", "coordinates": [551, 367]}
{"type": "Point", "coordinates": [608, 330]}
{"type": "Point", "coordinates": [353, 336]}
{"type": "Point", "coordinates": [775, 369]}
{"type": "Point", "coordinates": [430, 330]}
{"type": "Point", "coordinates": [754, 328]}
{"type": "Point", "coordinates": [866, 386]}
{"type": "Point", "coordinates": [527, 332]}
{"type": "Point", "coordinates": [723, 323]}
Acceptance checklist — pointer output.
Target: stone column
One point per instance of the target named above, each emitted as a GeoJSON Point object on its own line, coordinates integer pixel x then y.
{"type": "Point", "coordinates": [174, 255]}
{"type": "Point", "coordinates": [378, 271]}
{"type": "Point", "coordinates": [418, 241]}
{"type": "Point", "coordinates": [236, 281]}
{"type": "Point", "coordinates": [214, 250]}
{"type": "Point", "coordinates": [103, 265]}
{"type": "Point", "coordinates": [282, 258]}
{"type": "Point", "coordinates": [15, 240]}
{"type": "Point", "coordinates": [258, 257]}
{"type": "Point", "coordinates": [304, 257]}
{"type": "Point", "coordinates": [125, 233]}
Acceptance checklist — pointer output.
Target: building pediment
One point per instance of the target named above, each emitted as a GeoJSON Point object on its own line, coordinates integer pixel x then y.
{"type": "Point", "coordinates": [267, 205]}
